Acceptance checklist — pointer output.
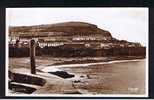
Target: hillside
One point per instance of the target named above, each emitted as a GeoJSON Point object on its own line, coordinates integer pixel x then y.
{"type": "Point", "coordinates": [73, 39]}
{"type": "Point", "coordinates": [67, 27]}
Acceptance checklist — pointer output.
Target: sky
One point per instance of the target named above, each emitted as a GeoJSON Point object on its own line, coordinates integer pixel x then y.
{"type": "Point", "coordinates": [124, 23]}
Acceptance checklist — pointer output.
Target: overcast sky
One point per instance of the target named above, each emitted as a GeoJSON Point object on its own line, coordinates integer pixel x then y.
{"type": "Point", "coordinates": [124, 23]}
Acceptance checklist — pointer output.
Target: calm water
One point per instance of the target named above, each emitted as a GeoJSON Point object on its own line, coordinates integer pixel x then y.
{"type": "Point", "coordinates": [113, 78]}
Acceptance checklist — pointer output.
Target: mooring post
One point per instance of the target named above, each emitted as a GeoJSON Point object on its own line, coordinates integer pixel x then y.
{"type": "Point", "coordinates": [32, 56]}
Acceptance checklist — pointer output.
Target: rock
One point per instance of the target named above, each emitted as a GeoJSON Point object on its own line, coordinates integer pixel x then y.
{"type": "Point", "coordinates": [62, 74]}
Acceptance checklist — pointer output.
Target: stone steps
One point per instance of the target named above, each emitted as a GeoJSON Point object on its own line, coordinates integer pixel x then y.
{"type": "Point", "coordinates": [24, 83]}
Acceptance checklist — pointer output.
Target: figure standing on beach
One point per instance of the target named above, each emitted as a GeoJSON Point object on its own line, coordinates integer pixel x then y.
{"type": "Point", "coordinates": [88, 76]}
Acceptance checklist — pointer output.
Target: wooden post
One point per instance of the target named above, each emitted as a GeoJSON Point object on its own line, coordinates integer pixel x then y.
{"type": "Point", "coordinates": [32, 56]}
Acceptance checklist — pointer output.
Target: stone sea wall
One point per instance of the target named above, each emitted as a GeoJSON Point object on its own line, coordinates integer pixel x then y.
{"type": "Point", "coordinates": [78, 52]}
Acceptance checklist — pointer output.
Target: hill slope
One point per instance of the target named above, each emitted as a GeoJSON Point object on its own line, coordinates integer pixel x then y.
{"type": "Point", "coordinates": [67, 27]}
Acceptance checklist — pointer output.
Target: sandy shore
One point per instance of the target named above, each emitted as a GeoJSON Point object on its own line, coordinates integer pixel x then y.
{"type": "Point", "coordinates": [84, 82]}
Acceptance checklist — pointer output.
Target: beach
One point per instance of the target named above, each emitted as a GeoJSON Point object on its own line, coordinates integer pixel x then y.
{"type": "Point", "coordinates": [100, 77]}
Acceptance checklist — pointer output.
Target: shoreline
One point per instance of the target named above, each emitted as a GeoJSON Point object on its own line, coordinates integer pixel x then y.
{"type": "Point", "coordinates": [72, 85]}
{"type": "Point", "coordinates": [56, 67]}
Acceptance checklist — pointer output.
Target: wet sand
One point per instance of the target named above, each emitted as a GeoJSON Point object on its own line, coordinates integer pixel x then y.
{"type": "Point", "coordinates": [114, 78]}
{"type": "Point", "coordinates": [126, 77]}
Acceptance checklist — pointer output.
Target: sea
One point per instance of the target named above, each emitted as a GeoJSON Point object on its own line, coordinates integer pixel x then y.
{"type": "Point", "coordinates": [114, 77]}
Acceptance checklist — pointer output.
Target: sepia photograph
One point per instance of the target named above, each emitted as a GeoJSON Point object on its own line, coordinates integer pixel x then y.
{"type": "Point", "coordinates": [77, 52]}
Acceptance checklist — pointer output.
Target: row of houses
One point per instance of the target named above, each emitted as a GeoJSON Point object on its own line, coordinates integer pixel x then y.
{"type": "Point", "coordinates": [54, 39]}
{"type": "Point", "coordinates": [61, 38]}
{"type": "Point", "coordinates": [43, 44]}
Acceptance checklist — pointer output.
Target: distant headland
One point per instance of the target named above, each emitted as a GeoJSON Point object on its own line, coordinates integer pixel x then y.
{"type": "Point", "coordinates": [70, 39]}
